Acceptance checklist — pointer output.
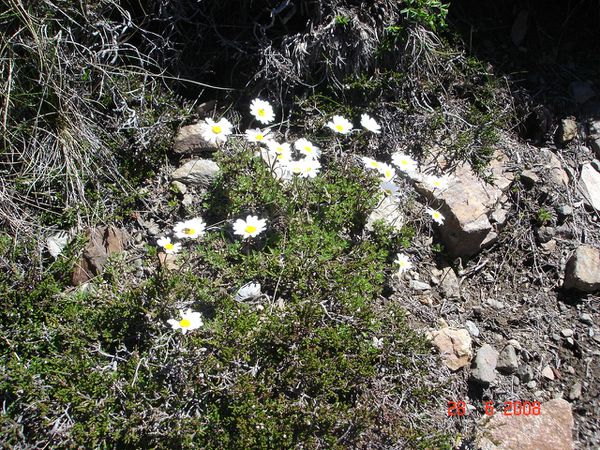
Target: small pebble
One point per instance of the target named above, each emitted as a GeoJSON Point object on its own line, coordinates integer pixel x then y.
{"type": "Point", "coordinates": [515, 344]}
{"type": "Point", "coordinates": [472, 328]}
{"type": "Point", "coordinates": [495, 303]}
{"type": "Point", "coordinates": [586, 318]}
{"type": "Point", "coordinates": [571, 370]}
{"type": "Point", "coordinates": [564, 210]}
{"type": "Point", "coordinates": [548, 373]}
{"type": "Point", "coordinates": [575, 391]}
{"type": "Point", "coordinates": [532, 384]}
{"type": "Point", "coordinates": [567, 332]}
{"type": "Point", "coordinates": [570, 341]}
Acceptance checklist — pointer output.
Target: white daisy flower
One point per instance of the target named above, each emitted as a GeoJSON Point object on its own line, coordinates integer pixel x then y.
{"type": "Point", "coordinates": [168, 246]}
{"type": "Point", "coordinates": [387, 172]}
{"type": "Point", "coordinates": [340, 125]}
{"type": "Point", "coordinates": [307, 148]}
{"type": "Point", "coordinates": [371, 163]}
{"type": "Point", "coordinates": [249, 290]}
{"type": "Point", "coordinates": [377, 342]}
{"type": "Point", "coordinates": [368, 123]}
{"type": "Point", "coordinates": [251, 227]}
{"type": "Point", "coordinates": [440, 183]}
{"type": "Point", "coordinates": [192, 228]}
{"type": "Point", "coordinates": [190, 320]}
{"type": "Point", "coordinates": [257, 135]}
{"type": "Point", "coordinates": [295, 166]}
{"type": "Point", "coordinates": [404, 162]}
{"type": "Point", "coordinates": [403, 262]}
{"type": "Point", "coordinates": [309, 168]}
{"type": "Point", "coordinates": [436, 216]}
{"type": "Point", "coordinates": [216, 132]}
{"type": "Point", "coordinates": [282, 151]}
{"type": "Point", "coordinates": [262, 111]}
{"type": "Point", "coordinates": [389, 188]}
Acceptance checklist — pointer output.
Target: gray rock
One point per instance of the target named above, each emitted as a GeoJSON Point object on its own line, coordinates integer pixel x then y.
{"type": "Point", "coordinates": [564, 211]}
{"type": "Point", "coordinates": [499, 216]}
{"type": "Point", "coordinates": [529, 177]}
{"type": "Point", "coordinates": [545, 234]}
{"type": "Point", "coordinates": [485, 364]}
{"type": "Point", "coordinates": [419, 285]}
{"type": "Point", "coordinates": [525, 373]}
{"type": "Point", "coordinates": [566, 332]}
{"type": "Point", "coordinates": [575, 391]}
{"type": "Point", "coordinates": [466, 205]}
{"type": "Point", "coordinates": [473, 330]}
{"type": "Point", "coordinates": [552, 429]}
{"type": "Point", "coordinates": [587, 319]}
{"type": "Point", "coordinates": [553, 170]}
{"type": "Point", "coordinates": [178, 187]}
{"type": "Point", "coordinates": [497, 304]}
{"type": "Point", "coordinates": [549, 247]}
{"type": "Point", "coordinates": [197, 172]}
{"type": "Point", "coordinates": [389, 211]}
{"type": "Point", "coordinates": [187, 200]}
{"type": "Point", "coordinates": [449, 284]}
{"type": "Point", "coordinates": [582, 270]}
{"type": "Point", "coordinates": [567, 130]}
{"type": "Point", "coordinates": [508, 362]}
{"type": "Point", "coordinates": [189, 140]}
{"type": "Point", "coordinates": [589, 186]}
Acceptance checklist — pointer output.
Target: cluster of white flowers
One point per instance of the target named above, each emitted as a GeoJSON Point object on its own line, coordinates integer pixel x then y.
{"type": "Point", "coordinates": [286, 160]}
{"type": "Point", "coordinates": [341, 125]}
{"type": "Point", "coordinates": [408, 166]}
{"type": "Point", "coordinates": [280, 155]}
{"type": "Point", "coordinates": [189, 229]}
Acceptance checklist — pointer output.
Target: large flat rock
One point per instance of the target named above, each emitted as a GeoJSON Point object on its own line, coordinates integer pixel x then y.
{"type": "Point", "coordinates": [583, 270]}
{"type": "Point", "coordinates": [467, 205]}
{"type": "Point", "coordinates": [189, 140]}
{"type": "Point", "coordinates": [549, 430]}
{"type": "Point", "coordinates": [589, 186]}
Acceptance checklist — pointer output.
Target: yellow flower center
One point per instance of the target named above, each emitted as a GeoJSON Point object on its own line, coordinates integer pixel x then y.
{"type": "Point", "coordinates": [169, 246]}
{"type": "Point", "coordinates": [184, 323]}
{"type": "Point", "coordinates": [374, 164]}
{"type": "Point", "coordinates": [261, 112]}
{"type": "Point", "coordinates": [339, 127]}
{"type": "Point", "coordinates": [259, 137]}
{"type": "Point", "coordinates": [308, 149]}
{"type": "Point", "coordinates": [250, 229]}
{"type": "Point", "coordinates": [189, 231]}
{"type": "Point", "coordinates": [216, 129]}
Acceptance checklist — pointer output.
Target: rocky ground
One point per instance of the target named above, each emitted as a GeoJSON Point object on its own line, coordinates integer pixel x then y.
{"type": "Point", "coordinates": [519, 320]}
{"type": "Point", "coordinates": [512, 302]}
{"type": "Point", "coordinates": [507, 289]}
